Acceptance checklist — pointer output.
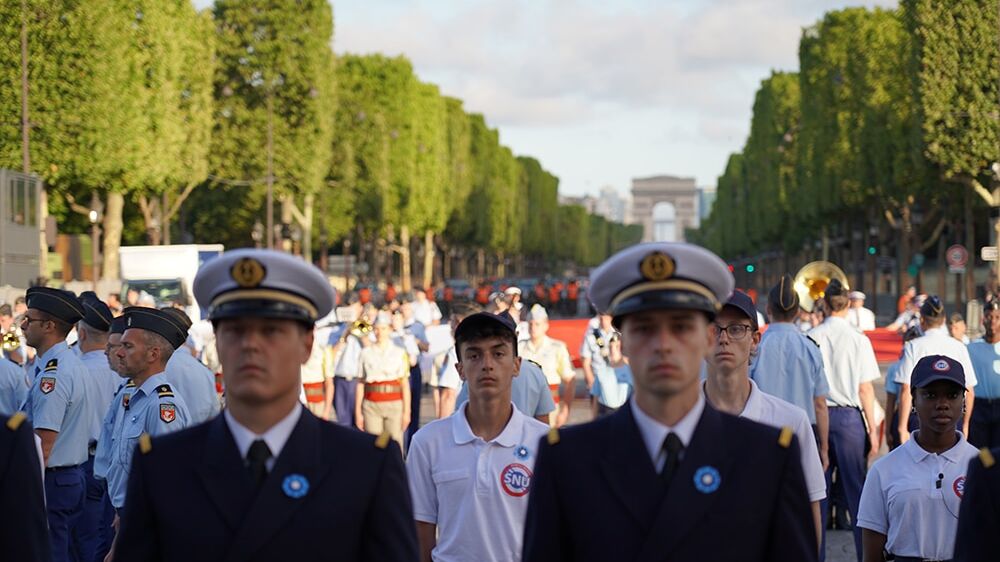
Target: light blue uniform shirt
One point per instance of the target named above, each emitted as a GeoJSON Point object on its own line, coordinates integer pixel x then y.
{"type": "Point", "coordinates": [529, 391]}
{"type": "Point", "coordinates": [111, 428]}
{"type": "Point", "coordinates": [13, 386]}
{"type": "Point", "coordinates": [349, 362]}
{"type": "Point", "coordinates": [986, 362]}
{"type": "Point", "coordinates": [194, 382]}
{"type": "Point", "coordinates": [57, 401]}
{"type": "Point", "coordinates": [790, 366]}
{"type": "Point", "coordinates": [153, 409]}
{"type": "Point", "coordinates": [891, 386]}
{"type": "Point", "coordinates": [100, 387]}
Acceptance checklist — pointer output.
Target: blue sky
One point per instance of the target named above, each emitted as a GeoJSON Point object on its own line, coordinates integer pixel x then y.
{"type": "Point", "coordinates": [600, 92]}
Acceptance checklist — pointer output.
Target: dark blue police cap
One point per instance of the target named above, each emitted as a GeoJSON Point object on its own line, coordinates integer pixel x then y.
{"type": "Point", "coordinates": [59, 303]}
{"type": "Point", "coordinates": [117, 325]}
{"type": "Point", "coordinates": [932, 307]}
{"type": "Point", "coordinates": [156, 321]}
{"type": "Point", "coordinates": [96, 313]}
{"type": "Point", "coordinates": [783, 296]}
{"type": "Point", "coordinates": [936, 368]}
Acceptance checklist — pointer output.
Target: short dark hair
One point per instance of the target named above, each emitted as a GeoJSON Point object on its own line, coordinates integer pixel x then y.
{"type": "Point", "coordinates": [482, 332]}
{"type": "Point", "coordinates": [6, 310]}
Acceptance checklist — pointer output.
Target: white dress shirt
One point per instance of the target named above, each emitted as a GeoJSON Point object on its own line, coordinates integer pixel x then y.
{"type": "Point", "coordinates": [653, 432]}
{"type": "Point", "coordinates": [275, 438]}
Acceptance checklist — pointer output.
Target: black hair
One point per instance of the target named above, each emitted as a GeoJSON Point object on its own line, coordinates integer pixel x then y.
{"type": "Point", "coordinates": [484, 331]}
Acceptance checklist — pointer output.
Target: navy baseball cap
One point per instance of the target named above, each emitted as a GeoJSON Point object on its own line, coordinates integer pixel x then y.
{"type": "Point", "coordinates": [937, 368]}
{"type": "Point", "coordinates": [743, 304]}
{"type": "Point", "coordinates": [473, 322]}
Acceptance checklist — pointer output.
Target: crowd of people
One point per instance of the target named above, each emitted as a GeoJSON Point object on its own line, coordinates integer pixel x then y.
{"type": "Point", "coordinates": [709, 419]}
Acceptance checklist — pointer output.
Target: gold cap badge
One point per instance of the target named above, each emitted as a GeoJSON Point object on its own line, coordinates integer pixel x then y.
{"type": "Point", "coordinates": [248, 272]}
{"type": "Point", "coordinates": [657, 266]}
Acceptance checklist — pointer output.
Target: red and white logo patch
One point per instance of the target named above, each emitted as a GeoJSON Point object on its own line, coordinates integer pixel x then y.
{"type": "Point", "coordinates": [941, 365]}
{"type": "Point", "coordinates": [958, 486]}
{"type": "Point", "coordinates": [47, 384]}
{"type": "Point", "coordinates": [515, 479]}
{"type": "Point", "coordinates": [168, 412]}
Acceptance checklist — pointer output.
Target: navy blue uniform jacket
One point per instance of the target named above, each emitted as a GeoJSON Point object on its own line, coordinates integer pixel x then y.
{"type": "Point", "coordinates": [24, 534]}
{"type": "Point", "coordinates": [191, 499]}
{"type": "Point", "coordinates": [597, 496]}
{"type": "Point", "coordinates": [977, 539]}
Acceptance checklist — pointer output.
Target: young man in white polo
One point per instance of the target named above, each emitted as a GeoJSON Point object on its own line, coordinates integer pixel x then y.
{"type": "Point", "coordinates": [470, 473]}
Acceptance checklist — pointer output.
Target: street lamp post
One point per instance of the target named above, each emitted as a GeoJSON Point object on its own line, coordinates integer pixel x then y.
{"type": "Point", "coordinates": [94, 235]}
{"type": "Point", "coordinates": [257, 233]}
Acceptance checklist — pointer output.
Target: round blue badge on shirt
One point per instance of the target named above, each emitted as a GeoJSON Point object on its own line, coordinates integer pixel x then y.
{"type": "Point", "coordinates": [295, 486]}
{"type": "Point", "coordinates": [707, 479]}
{"type": "Point", "coordinates": [521, 452]}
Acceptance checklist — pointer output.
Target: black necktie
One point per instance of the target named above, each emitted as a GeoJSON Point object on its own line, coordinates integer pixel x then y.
{"type": "Point", "coordinates": [257, 458]}
{"type": "Point", "coordinates": [673, 446]}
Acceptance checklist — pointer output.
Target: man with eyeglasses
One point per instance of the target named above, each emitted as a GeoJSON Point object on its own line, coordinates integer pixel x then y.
{"type": "Point", "coordinates": [667, 475]}
{"type": "Point", "coordinates": [729, 389]}
{"type": "Point", "coordinates": [850, 365]}
{"type": "Point", "coordinates": [58, 408]}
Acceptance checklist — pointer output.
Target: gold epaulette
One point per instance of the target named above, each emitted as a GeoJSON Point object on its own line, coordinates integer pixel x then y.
{"type": "Point", "coordinates": [785, 439]}
{"type": "Point", "coordinates": [164, 391]}
{"type": "Point", "coordinates": [145, 443]}
{"type": "Point", "coordinates": [986, 457]}
{"type": "Point", "coordinates": [553, 437]}
{"type": "Point", "coordinates": [16, 420]}
{"type": "Point", "coordinates": [382, 441]}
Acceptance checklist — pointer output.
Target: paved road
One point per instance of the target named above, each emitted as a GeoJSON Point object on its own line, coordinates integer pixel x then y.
{"type": "Point", "coordinates": [840, 544]}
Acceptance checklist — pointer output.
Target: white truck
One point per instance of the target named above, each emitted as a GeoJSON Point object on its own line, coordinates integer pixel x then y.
{"type": "Point", "coordinates": [166, 272]}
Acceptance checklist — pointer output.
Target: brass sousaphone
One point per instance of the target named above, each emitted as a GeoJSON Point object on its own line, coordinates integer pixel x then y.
{"type": "Point", "coordinates": [811, 282]}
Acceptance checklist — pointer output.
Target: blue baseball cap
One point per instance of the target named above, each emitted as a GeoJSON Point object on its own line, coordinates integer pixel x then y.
{"type": "Point", "coordinates": [937, 368]}
{"type": "Point", "coordinates": [744, 305]}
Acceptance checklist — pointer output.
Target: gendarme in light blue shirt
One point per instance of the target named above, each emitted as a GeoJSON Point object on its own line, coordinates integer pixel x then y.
{"type": "Point", "coordinates": [985, 359]}
{"type": "Point", "coordinates": [790, 366]}
{"type": "Point", "coordinates": [111, 427]}
{"type": "Point", "coordinates": [58, 402]}
{"type": "Point", "coordinates": [192, 380]}
{"type": "Point", "coordinates": [100, 385]}
{"type": "Point", "coordinates": [153, 409]}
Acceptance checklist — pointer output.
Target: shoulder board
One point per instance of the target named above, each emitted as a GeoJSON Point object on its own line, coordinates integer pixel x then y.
{"type": "Point", "coordinates": [785, 439]}
{"type": "Point", "coordinates": [145, 443]}
{"type": "Point", "coordinates": [16, 420]}
{"type": "Point", "coordinates": [382, 441]}
{"type": "Point", "coordinates": [816, 343]}
{"type": "Point", "coordinates": [52, 365]}
{"type": "Point", "coordinates": [985, 456]}
{"type": "Point", "coordinates": [553, 436]}
{"type": "Point", "coordinates": [533, 362]}
{"type": "Point", "coordinates": [129, 384]}
{"type": "Point", "coordinates": [164, 391]}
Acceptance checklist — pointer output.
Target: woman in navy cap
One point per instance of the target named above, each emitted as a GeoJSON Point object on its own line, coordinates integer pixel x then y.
{"type": "Point", "coordinates": [910, 502]}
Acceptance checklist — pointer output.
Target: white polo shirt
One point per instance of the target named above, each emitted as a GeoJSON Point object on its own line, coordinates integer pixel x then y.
{"type": "Point", "coordinates": [476, 492]}
{"type": "Point", "coordinates": [902, 500]}
{"type": "Point", "coordinates": [935, 341]}
{"type": "Point", "coordinates": [775, 412]}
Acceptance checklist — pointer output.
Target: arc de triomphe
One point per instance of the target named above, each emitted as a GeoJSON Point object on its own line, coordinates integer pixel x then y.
{"type": "Point", "coordinates": [664, 206]}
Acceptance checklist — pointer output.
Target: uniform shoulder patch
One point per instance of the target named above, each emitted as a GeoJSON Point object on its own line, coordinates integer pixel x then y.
{"type": "Point", "coordinates": [985, 457]}
{"type": "Point", "coordinates": [382, 441]}
{"type": "Point", "coordinates": [16, 420]}
{"type": "Point", "coordinates": [553, 436]}
{"type": "Point", "coordinates": [164, 391]}
{"type": "Point", "coordinates": [145, 443]}
{"type": "Point", "coordinates": [816, 343]}
{"type": "Point", "coordinates": [52, 365]}
{"type": "Point", "coordinates": [785, 438]}
{"type": "Point", "coordinates": [129, 384]}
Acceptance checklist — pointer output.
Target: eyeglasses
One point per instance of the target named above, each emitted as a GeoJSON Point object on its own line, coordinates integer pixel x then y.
{"type": "Point", "coordinates": [27, 320]}
{"type": "Point", "coordinates": [734, 331]}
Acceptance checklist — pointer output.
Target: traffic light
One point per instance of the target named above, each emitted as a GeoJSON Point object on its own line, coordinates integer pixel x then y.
{"type": "Point", "coordinates": [871, 250]}
{"type": "Point", "coordinates": [731, 268]}
{"type": "Point", "coordinates": [750, 268]}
